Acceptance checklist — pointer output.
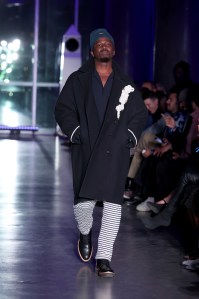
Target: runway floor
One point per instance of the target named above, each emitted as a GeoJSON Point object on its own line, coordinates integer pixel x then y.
{"type": "Point", "coordinates": [38, 236]}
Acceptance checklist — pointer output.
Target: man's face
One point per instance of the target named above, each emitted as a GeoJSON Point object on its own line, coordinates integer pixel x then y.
{"type": "Point", "coordinates": [180, 75]}
{"type": "Point", "coordinates": [151, 105]}
{"type": "Point", "coordinates": [103, 50]}
{"type": "Point", "coordinates": [171, 102]}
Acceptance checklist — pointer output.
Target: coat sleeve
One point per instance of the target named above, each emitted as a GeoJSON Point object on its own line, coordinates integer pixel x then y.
{"type": "Point", "coordinates": [66, 113]}
{"type": "Point", "coordinates": [137, 117]}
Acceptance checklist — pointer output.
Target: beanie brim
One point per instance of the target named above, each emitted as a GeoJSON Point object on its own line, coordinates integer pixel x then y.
{"type": "Point", "coordinates": [98, 33]}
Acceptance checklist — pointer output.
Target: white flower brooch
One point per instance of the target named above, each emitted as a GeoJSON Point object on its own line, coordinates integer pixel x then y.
{"type": "Point", "coordinates": [123, 99]}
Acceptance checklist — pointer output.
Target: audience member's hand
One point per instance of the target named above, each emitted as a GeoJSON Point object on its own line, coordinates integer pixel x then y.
{"type": "Point", "coordinates": [159, 151]}
{"type": "Point", "coordinates": [169, 121]}
{"type": "Point", "coordinates": [165, 141]}
{"type": "Point", "coordinates": [146, 153]}
{"type": "Point", "coordinates": [175, 156]}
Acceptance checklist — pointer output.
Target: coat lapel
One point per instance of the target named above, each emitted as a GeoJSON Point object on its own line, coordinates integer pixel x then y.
{"type": "Point", "coordinates": [93, 122]}
{"type": "Point", "coordinates": [95, 128]}
{"type": "Point", "coordinates": [111, 113]}
{"type": "Point", "coordinates": [114, 98]}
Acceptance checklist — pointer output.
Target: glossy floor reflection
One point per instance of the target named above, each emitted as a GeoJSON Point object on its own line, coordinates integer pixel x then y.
{"type": "Point", "coordinates": [38, 236]}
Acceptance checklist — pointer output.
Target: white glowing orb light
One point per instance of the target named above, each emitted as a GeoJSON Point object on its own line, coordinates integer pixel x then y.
{"type": "Point", "coordinates": [15, 56]}
{"type": "Point", "coordinates": [3, 65]}
{"type": "Point", "coordinates": [9, 58]}
{"type": "Point", "coordinates": [8, 70]}
{"type": "Point", "coordinates": [9, 116]}
{"type": "Point", "coordinates": [16, 45]}
{"type": "Point", "coordinates": [10, 46]}
{"type": "Point", "coordinates": [8, 55]}
{"type": "Point", "coordinates": [3, 56]}
{"type": "Point", "coordinates": [4, 43]}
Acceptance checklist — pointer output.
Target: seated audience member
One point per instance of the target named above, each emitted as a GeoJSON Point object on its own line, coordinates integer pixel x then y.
{"type": "Point", "coordinates": [181, 74]}
{"type": "Point", "coordinates": [149, 85]}
{"type": "Point", "coordinates": [160, 87]}
{"type": "Point", "coordinates": [151, 102]}
{"type": "Point", "coordinates": [191, 258]}
{"type": "Point", "coordinates": [154, 114]}
{"type": "Point", "coordinates": [188, 154]}
{"type": "Point", "coordinates": [183, 82]}
{"type": "Point", "coordinates": [162, 96]}
{"type": "Point", "coordinates": [191, 136]}
{"type": "Point", "coordinates": [161, 169]}
{"type": "Point", "coordinates": [148, 142]}
{"type": "Point", "coordinates": [186, 194]}
{"type": "Point", "coordinates": [184, 104]}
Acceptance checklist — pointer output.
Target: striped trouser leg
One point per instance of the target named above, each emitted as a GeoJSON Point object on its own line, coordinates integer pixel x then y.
{"type": "Point", "coordinates": [84, 215]}
{"type": "Point", "coordinates": [109, 229]}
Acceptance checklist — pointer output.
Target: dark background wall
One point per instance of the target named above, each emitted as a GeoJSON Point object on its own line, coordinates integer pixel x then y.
{"type": "Point", "coordinates": [132, 22]}
{"type": "Point", "coordinates": [177, 29]}
{"type": "Point", "coordinates": [151, 36]}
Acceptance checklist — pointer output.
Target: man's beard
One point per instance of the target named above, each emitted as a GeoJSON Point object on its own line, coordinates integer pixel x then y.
{"type": "Point", "coordinates": [104, 59]}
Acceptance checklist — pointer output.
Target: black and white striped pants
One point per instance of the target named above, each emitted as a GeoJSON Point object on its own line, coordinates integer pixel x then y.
{"type": "Point", "coordinates": [109, 227]}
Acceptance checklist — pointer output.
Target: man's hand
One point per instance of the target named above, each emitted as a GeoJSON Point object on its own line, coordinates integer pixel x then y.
{"type": "Point", "coordinates": [175, 156]}
{"type": "Point", "coordinates": [169, 120]}
{"type": "Point", "coordinates": [159, 151]}
{"type": "Point", "coordinates": [147, 152]}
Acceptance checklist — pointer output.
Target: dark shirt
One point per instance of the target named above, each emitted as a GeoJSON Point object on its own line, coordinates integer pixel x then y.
{"type": "Point", "coordinates": [153, 118]}
{"type": "Point", "coordinates": [156, 116]}
{"type": "Point", "coordinates": [101, 93]}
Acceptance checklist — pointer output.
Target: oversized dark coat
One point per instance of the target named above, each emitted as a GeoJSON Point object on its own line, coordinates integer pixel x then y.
{"type": "Point", "coordinates": [100, 152]}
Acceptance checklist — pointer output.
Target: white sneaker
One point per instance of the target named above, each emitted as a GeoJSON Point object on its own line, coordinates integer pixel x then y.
{"type": "Point", "coordinates": [194, 266]}
{"type": "Point", "coordinates": [190, 263]}
{"type": "Point", "coordinates": [143, 207]}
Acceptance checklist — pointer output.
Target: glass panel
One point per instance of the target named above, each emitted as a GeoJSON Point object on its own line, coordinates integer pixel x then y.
{"type": "Point", "coordinates": [16, 59]}
{"type": "Point", "coordinates": [46, 98]}
{"type": "Point", "coordinates": [16, 40]}
{"type": "Point", "coordinates": [55, 19]}
{"type": "Point", "coordinates": [15, 108]}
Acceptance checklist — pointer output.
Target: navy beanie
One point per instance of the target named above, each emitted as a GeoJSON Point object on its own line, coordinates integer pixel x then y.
{"type": "Point", "coordinates": [98, 33]}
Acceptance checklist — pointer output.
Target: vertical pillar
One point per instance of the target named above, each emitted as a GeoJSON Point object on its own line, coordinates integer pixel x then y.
{"type": "Point", "coordinates": [35, 65]}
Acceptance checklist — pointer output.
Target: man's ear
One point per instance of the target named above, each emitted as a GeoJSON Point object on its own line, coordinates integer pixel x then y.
{"type": "Point", "coordinates": [91, 52]}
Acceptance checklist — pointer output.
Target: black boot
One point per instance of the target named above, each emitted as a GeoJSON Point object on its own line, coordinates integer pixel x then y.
{"type": "Point", "coordinates": [164, 217]}
{"type": "Point", "coordinates": [129, 183]}
{"type": "Point", "coordinates": [103, 268]}
{"type": "Point", "coordinates": [129, 189]}
{"type": "Point", "coordinates": [157, 208]}
{"type": "Point", "coordinates": [85, 248]}
{"type": "Point", "coordinates": [161, 219]}
{"type": "Point", "coordinates": [132, 193]}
